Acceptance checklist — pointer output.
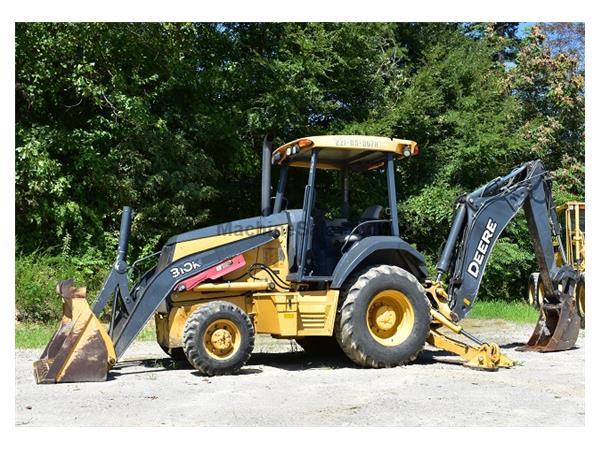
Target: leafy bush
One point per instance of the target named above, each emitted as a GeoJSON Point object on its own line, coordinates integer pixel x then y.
{"type": "Point", "coordinates": [426, 217]}
{"type": "Point", "coordinates": [38, 273]}
{"type": "Point", "coordinates": [507, 271]}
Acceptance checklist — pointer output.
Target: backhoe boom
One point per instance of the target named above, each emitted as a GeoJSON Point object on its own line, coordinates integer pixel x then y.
{"type": "Point", "coordinates": [478, 222]}
{"type": "Point", "coordinates": [479, 219]}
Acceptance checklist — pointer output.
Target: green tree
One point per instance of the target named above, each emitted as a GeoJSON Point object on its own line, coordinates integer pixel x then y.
{"type": "Point", "coordinates": [169, 119]}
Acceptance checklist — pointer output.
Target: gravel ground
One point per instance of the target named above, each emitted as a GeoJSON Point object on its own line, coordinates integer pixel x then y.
{"type": "Point", "coordinates": [282, 386]}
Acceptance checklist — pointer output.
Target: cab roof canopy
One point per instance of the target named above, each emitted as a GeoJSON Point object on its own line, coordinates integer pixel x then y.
{"type": "Point", "coordinates": [343, 151]}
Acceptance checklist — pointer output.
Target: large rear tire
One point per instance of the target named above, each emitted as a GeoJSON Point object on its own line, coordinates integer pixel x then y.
{"type": "Point", "coordinates": [384, 319]}
{"type": "Point", "coordinates": [218, 338]}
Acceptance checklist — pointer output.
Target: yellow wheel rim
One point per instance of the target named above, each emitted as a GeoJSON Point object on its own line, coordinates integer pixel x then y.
{"type": "Point", "coordinates": [540, 299]}
{"type": "Point", "coordinates": [531, 295]}
{"type": "Point", "coordinates": [580, 298]}
{"type": "Point", "coordinates": [221, 339]}
{"type": "Point", "coordinates": [390, 318]}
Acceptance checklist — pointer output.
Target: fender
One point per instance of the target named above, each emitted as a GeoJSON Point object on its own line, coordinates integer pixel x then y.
{"type": "Point", "coordinates": [371, 244]}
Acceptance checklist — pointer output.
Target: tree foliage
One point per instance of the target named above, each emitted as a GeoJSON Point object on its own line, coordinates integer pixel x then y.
{"type": "Point", "coordinates": [169, 119]}
{"type": "Point", "coordinates": [565, 37]}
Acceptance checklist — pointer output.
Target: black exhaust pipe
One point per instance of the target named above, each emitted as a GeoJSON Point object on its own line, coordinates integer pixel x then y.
{"type": "Point", "coordinates": [265, 197]}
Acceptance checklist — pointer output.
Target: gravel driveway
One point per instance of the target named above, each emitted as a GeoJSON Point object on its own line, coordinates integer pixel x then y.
{"type": "Point", "coordinates": [282, 386]}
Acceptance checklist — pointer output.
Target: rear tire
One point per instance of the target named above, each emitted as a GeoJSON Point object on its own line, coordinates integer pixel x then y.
{"type": "Point", "coordinates": [384, 319]}
{"type": "Point", "coordinates": [218, 338]}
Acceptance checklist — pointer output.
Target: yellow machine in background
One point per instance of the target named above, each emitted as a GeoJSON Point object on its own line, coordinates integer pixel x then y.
{"type": "Point", "coordinates": [572, 221]}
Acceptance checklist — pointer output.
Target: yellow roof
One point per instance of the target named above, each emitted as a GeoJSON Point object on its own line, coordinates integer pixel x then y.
{"type": "Point", "coordinates": [341, 151]}
{"type": "Point", "coordinates": [571, 205]}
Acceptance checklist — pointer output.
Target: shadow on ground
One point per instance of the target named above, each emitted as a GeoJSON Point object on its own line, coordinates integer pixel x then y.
{"type": "Point", "coordinates": [299, 361]}
{"type": "Point", "coordinates": [290, 361]}
{"type": "Point", "coordinates": [293, 361]}
{"type": "Point", "coordinates": [148, 365]}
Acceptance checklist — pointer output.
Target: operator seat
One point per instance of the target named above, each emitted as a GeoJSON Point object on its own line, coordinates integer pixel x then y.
{"type": "Point", "coordinates": [373, 212]}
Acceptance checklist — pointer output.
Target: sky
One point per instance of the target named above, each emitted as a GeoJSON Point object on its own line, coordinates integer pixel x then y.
{"type": "Point", "coordinates": [523, 28]}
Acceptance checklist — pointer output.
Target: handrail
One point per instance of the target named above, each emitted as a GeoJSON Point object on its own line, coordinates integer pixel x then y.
{"type": "Point", "coordinates": [366, 222]}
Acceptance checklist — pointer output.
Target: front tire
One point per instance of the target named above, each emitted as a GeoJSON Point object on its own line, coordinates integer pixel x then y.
{"type": "Point", "coordinates": [218, 338]}
{"type": "Point", "coordinates": [384, 319]}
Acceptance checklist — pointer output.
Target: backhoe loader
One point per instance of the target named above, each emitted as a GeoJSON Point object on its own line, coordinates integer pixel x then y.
{"type": "Point", "coordinates": [324, 279]}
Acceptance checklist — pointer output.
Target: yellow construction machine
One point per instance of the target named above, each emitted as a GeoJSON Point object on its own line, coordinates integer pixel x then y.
{"type": "Point", "coordinates": [329, 279]}
{"type": "Point", "coordinates": [572, 220]}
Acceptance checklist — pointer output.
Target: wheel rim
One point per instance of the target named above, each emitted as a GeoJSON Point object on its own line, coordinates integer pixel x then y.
{"type": "Point", "coordinates": [540, 296]}
{"type": "Point", "coordinates": [390, 318]}
{"type": "Point", "coordinates": [221, 339]}
{"type": "Point", "coordinates": [531, 295]}
{"type": "Point", "coordinates": [580, 294]}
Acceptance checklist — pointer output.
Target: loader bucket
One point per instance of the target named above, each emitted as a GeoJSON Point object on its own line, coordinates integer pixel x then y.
{"type": "Point", "coordinates": [81, 349]}
{"type": "Point", "coordinates": [557, 327]}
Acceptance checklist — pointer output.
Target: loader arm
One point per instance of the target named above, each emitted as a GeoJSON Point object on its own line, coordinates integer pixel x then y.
{"type": "Point", "coordinates": [156, 285]}
{"type": "Point", "coordinates": [82, 350]}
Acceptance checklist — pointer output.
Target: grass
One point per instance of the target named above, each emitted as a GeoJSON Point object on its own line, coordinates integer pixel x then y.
{"type": "Point", "coordinates": [36, 276]}
{"type": "Point", "coordinates": [517, 311]}
{"type": "Point", "coordinates": [36, 335]}
{"type": "Point", "coordinates": [33, 335]}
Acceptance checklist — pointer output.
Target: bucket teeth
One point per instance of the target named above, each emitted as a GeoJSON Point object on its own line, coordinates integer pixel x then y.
{"type": "Point", "coordinates": [557, 327]}
{"type": "Point", "coordinates": [80, 350]}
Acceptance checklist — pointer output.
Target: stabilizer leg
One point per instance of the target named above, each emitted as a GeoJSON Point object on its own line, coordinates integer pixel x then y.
{"type": "Point", "coordinates": [481, 356]}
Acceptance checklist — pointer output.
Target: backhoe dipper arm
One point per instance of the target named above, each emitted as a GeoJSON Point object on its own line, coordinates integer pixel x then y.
{"type": "Point", "coordinates": [479, 219]}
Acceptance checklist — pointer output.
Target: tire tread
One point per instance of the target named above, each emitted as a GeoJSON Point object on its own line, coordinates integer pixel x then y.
{"type": "Point", "coordinates": [344, 329]}
{"type": "Point", "coordinates": [191, 338]}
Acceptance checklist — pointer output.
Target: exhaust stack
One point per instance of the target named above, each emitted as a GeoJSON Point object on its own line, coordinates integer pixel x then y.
{"type": "Point", "coordinates": [265, 193]}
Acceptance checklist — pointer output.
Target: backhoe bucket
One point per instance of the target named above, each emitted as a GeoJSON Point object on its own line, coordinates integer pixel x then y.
{"type": "Point", "coordinates": [81, 349]}
{"type": "Point", "coordinates": [557, 327]}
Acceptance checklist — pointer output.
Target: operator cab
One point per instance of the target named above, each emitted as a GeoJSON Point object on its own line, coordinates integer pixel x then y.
{"type": "Point", "coordinates": [319, 238]}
